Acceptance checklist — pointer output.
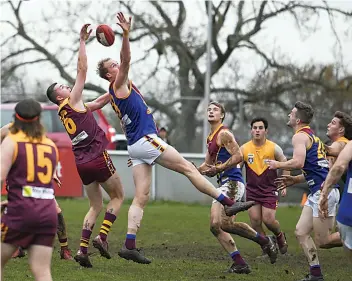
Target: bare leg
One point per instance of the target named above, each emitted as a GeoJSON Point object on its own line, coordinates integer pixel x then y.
{"type": "Point", "coordinates": [6, 253]}
{"type": "Point", "coordinates": [303, 229]}
{"type": "Point", "coordinates": [40, 262]}
{"type": "Point", "coordinates": [322, 230]}
{"type": "Point", "coordinates": [255, 216]}
{"type": "Point", "coordinates": [142, 180]}
{"type": "Point", "coordinates": [270, 221]}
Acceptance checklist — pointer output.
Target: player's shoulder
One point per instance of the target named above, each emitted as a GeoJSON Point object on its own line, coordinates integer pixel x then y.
{"type": "Point", "coordinates": [64, 104]}
{"type": "Point", "coordinates": [19, 136]}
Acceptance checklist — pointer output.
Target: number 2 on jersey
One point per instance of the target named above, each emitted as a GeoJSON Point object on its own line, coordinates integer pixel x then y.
{"type": "Point", "coordinates": [40, 161]}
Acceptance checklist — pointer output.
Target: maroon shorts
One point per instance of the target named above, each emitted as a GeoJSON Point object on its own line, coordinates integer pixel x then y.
{"type": "Point", "coordinates": [268, 202]}
{"type": "Point", "coordinates": [99, 169]}
{"type": "Point", "coordinates": [25, 239]}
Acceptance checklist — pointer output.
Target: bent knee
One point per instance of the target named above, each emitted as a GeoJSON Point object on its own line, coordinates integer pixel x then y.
{"type": "Point", "coordinates": [215, 228]}
{"type": "Point", "coordinates": [186, 168]}
{"type": "Point", "coordinates": [268, 220]}
{"type": "Point", "coordinates": [96, 206]}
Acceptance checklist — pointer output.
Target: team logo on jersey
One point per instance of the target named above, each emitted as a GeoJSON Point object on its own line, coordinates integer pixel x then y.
{"type": "Point", "coordinates": [250, 158]}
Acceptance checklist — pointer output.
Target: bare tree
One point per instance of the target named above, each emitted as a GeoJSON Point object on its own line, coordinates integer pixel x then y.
{"type": "Point", "coordinates": [171, 70]}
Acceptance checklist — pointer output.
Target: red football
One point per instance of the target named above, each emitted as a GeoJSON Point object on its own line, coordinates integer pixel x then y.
{"type": "Point", "coordinates": [105, 35]}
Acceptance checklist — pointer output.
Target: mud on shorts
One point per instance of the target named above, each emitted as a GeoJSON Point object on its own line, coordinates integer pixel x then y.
{"type": "Point", "coordinates": [232, 189]}
{"type": "Point", "coordinates": [26, 239]}
{"type": "Point", "coordinates": [346, 234]}
{"type": "Point", "coordinates": [99, 169]}
{"type": "Point", "coordinates": [333, 200]}
{"type": "Point", "coordinates": [146, 150]}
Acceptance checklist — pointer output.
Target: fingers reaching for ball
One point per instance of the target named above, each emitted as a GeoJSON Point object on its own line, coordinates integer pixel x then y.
{"type": "Point", "coordinates": [123, 23]}
{"type": "Point", "coordinates": [84, 35]}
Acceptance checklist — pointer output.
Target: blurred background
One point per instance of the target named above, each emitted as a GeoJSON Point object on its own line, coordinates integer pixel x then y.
{"type": "Point", "coordinates": [258, 58]}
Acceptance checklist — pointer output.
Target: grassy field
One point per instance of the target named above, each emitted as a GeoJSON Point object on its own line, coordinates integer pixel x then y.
{"type": "Point", "coordinates": [177, 238]}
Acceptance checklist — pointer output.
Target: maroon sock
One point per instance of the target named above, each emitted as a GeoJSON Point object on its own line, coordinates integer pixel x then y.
{"type": "Point", "coordinates": [83, 246]}
{"type": "Point", "coordinates": [237, 258]}
{"type": "Point", "coordinates": [130, 242]}
{"type": "Point", "coordinates": [261, 239]}
{"type": "Point", "coordinates": [224, 200]}
{"type": "Point", "coordinates": [105, 227]}
{"type": "Point", "coordinates": [315, 270]}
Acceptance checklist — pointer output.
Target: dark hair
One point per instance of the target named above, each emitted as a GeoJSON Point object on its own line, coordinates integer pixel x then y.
{"type": "Point", "coordinates": [223, 111]}
{"type": "Point", "coordinates": [101, 69]}
{"type": "Point", "coordinates": [260, 119]}
{"type": "Point", "coordinates": [346, 122]}
{"type": "Point", "coordinates": [162, 129]}
{"type": "Point", "coordinates": [27, 119]}
{"type": "Point", "coordinates": [51, 94]}
{"type": "Point", "coordinates": [305, 112]}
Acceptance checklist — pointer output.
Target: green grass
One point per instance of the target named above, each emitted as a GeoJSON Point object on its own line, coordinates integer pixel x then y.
{"type": "Point", "coordinates": [177, 238]}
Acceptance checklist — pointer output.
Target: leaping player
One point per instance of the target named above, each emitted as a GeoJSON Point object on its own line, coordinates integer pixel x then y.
{"type": "Point", "coordinates": [93, 163]}
{"type": "Point", "coordinates": [144, 146]}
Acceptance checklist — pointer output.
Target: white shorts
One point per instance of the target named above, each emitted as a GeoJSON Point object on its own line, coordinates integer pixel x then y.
{"type": "Point", "coordinates": [146, 150]}
{"type": "Point", "coordinates": [346, 235]}
{"type": "Point", "coordinates": [333, 200]}
{"type": "Point", "coordinates": [232, 189]}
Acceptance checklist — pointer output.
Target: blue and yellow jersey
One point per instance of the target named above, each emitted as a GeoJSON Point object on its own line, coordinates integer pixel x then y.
{"type": "Point", "coordinates": [344, 215]}
{"type": "Point", "coordinates": [219, 155]}
{"type": "Point", "coordinates": [134, 113]}
{"type": "Point", "coordinates": [316, 165]}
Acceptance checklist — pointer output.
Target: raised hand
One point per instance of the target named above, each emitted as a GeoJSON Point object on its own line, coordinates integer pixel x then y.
{"type": "Point", "coordinates": [84, 35]}
{"type": "Point", "coordinates": [125, 25]}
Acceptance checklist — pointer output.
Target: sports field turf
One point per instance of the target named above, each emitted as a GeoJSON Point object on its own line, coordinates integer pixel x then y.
{"type": "Point", "coordinates": [177, 238]}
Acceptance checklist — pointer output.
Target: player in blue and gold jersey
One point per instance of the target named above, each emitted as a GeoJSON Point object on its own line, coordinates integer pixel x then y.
{"type": "Point", "coordinates": [309, 155]}
{"type": "Point", "coordinates": [144, 146]}
{"type": "Point", "coordinates": [344, 216]}
{"type": "Point", "coordinates": [223, 160]}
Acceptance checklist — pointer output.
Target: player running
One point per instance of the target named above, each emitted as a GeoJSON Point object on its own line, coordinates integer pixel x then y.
{"type": "Point", "coordinates": [144, 146]}
{"type": "Point", "coordinates": [261, 186]}
{"type": "Point", "coordinates": [93, 162]}
{"type": "Point", "coordinates": [309, 155]}
{"type": "Point", "coordinates": [28, 162]}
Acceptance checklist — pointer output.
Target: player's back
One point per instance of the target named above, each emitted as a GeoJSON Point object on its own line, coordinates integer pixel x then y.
{"type": "Point", "coordinates": [31, 206]}
{"type": "Point", "coordinates": [316, 165]}
{"type": "Point", "coordinates": [134, 113]}
{"type": "Point", "coordinates": [259, 178]}
{"type": "Point", "coordinates": [88, 139]}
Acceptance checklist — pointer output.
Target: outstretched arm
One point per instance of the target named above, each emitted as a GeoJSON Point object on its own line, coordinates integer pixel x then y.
{"type": "Point", "coordinates": [125, 54]}
{"type": "Point", "coordinates": [82, 66]}
{"type": "Point", "coordinates": [299, 142]}
{"type": "Point", "coordinates": [99, 102]}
